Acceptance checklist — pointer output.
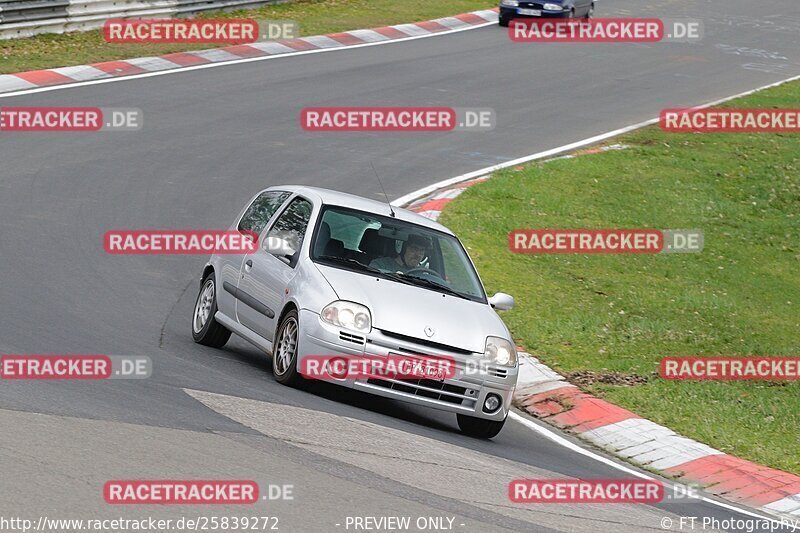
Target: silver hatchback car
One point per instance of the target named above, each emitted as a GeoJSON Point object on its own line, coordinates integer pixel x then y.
{"type": "Point", "coordinates": [340, 276]}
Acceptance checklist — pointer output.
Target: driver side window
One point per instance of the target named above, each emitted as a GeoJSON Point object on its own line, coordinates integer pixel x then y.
{"type": "Point", "coordinates": [261, 210]}
{"type": "Point", "coordinates": [291, 226]}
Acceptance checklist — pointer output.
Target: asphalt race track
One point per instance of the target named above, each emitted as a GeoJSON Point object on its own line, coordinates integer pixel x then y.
{"type": "Point", "coordinates": [211, 139]}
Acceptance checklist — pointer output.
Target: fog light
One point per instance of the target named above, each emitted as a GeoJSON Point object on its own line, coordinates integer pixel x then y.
{"type": "Point", "coordinates": [492, 403]}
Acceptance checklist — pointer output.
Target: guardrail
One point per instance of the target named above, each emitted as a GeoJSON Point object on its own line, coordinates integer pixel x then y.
{"type": "Point", "coordinates": [24, 18]}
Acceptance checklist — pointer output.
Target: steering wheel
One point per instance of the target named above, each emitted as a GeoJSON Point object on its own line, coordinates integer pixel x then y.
{"type": "Point", "coordinates": [422, 271]}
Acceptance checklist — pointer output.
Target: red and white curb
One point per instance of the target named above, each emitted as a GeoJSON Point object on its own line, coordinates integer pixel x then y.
{"type": "Point", "coordinates": [430, 205]}
{"type": "Point", "coordinates": [181, 60]}
{"type": "Point", "coordinates": [547, 395]}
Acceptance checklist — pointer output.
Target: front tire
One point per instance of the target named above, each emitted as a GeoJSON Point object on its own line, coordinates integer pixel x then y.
{"type": "Point", "coordinates": [479, 427]}
{"type": "Point", "coordinates": [504, 21]}
{"type": "Point", "coordinates": [284, 351]}
{"type": "Point", "coordinates": [205, 328]}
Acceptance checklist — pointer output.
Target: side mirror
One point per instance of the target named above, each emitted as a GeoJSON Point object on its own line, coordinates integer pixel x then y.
{"type": "Point", "coordinates": [502, 301]}
{"type": "Point", "coordinates": [279, 246]}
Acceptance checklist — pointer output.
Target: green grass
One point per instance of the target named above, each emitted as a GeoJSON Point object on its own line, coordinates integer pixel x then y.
{"type": "Point", "coordinates": [623, 313]}
{"type": "Point", "coordinates": [314, 17]}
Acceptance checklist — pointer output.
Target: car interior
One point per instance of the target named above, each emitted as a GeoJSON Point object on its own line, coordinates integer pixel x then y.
{"type": "Point", "coordinates": [373, 243]}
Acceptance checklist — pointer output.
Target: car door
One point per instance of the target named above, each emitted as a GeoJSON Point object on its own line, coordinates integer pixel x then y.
{"type": "Point", "coordinates": [264, 277]}
{"type": "Point", "coordinates": [254, 218]}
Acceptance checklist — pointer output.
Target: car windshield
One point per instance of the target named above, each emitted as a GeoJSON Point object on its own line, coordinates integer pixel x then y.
{"type": "Point", "coordinates": [397, 250]}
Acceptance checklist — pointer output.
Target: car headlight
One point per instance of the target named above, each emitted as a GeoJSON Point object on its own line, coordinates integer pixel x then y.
{"type": "Point", "coordinates": [348, 315]}
{"type": "Point", "coordinates": [552, 7]}
{"type": "Point", "coordinates": [501, 352]}
{"type": "Point", "coordinates": [510, 3]}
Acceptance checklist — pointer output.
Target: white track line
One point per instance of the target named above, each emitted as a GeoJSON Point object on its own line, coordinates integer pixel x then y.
{"type": "Point", "coordinates": [236, 62]}
{"type": "Point", "coordinates": [410, 197]}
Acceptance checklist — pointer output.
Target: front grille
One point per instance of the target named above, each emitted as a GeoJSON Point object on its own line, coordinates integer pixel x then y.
{"type": "Point", "coordinates": [426, 388]}
{"type": "Point", "coordinates": [349, 337]}
{"type": "Point", "coordinates": [424, 342]}
{"type": "Point", "coordinates": [531, 5]}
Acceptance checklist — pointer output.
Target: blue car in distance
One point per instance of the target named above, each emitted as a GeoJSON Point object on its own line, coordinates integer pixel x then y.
{"type": "Point", "coordinates": [511, 9]}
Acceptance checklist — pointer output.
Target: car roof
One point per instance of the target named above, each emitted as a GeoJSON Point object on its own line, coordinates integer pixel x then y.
{"type": "Point", "coordinates": [342, 199]}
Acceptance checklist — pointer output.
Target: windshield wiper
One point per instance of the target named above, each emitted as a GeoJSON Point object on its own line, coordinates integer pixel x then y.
{"type": "Point", "coordinates": [367, 268]}
{"type": "Point", "coordinates": [349, 261]}
{"type": "Point", "coordinates": [394, 276]}
{"type": "Point", "coordinates": [433, 285]}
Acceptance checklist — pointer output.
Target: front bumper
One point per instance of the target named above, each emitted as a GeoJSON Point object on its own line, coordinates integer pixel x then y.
{"type": "Point", "coordinates": [509, 13]}
{"type": "Point", "coordinates": [464, 393]}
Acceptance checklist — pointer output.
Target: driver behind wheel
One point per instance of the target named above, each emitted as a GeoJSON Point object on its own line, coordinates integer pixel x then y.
{"type": "Point", "coordinates": [410, 257]}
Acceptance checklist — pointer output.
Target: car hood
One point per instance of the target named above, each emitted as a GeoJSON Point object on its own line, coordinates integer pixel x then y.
{"type": "Point", "coordinates": [409, 310]}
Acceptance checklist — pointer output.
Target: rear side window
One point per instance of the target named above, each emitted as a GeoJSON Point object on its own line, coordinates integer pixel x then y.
{"type": "Point", "coordinates": [261, 210]}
